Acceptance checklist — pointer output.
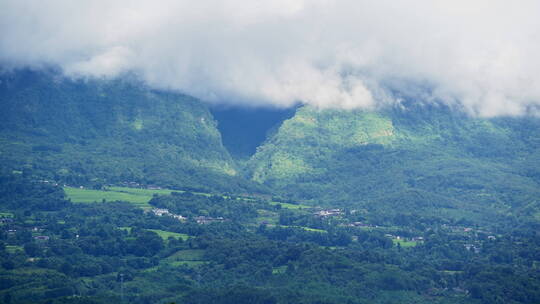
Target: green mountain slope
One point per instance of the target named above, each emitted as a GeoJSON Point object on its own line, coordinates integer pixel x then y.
{"type": "Point", "coordinates": [92, 131]}
{"type": "Point", "coordinates": [428, 158]}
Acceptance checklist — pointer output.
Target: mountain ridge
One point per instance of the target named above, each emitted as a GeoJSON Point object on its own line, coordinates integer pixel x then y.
{"type": "Point", "coordinates": [360, 157]}
{"type": "Point", "coordinates": [94, 132]}
{"type": "Point", "coordinates": [110, 131]}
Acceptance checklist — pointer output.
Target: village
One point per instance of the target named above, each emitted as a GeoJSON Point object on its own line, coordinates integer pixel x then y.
{"type": "Point", "coordinates": [473, 235]}
{"type": "Point", "coordinates": [199, 219]}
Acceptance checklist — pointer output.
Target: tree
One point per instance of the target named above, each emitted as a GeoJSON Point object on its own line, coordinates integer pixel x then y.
{"type": "Point", "coordinates": [32, 249]}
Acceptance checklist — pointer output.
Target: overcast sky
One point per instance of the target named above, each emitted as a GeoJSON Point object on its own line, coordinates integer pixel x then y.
{"type": "Point", "coordinates": [480, 54]}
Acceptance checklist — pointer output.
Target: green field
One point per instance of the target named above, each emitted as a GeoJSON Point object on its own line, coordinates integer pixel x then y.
{"type": "Point", "coordinates": [312, 229]}
{"type": "Point", "coordinates": [145, 192]}
{"type": "Point", "coordinates": [6, 214]}
{"type": "Point", "coordinates": [305, 228]}
{"type": "Point", "coordinates": [13, 249]}
{"type": "Point", "coordinates": [267, 217]}
{"type": "Point", "coordinates": [166, 234]}
{"type": "Point", "coordinates": [187, 263]}
{"type": "Point", "coordinates": [403, 243]}
{"type": "Point", "coordinates": [279, 270]}
{"type": "Point", "coordinates": [139, 197]}
{"type": "Point", "coordinates": [189, 257]}
{"type": "Point", "coordinates": [163, 234]}
{"type": "Point", "coordinates": [290, 206]}
{"type": "Point", "coordinates": [136, 196]}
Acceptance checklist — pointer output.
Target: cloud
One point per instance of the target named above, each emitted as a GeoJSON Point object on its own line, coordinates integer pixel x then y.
{"type": "Point", "coordinates": [481, 55]}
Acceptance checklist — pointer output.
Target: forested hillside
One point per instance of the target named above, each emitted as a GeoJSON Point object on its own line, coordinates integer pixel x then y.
{"type": "Point", "coordinates": [413, 159]}
{"type": "Point", "coordinates": [94, 132]}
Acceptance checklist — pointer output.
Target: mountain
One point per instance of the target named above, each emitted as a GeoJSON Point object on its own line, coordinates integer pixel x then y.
{"type": "Point", "coordinates": [110, 131]}
{"type": "Point", "coordinates": [412, 159]}
{"type": "Point", "coordinates": [416, 204]}
{"type": "Point", "coordinates": [415, 159]}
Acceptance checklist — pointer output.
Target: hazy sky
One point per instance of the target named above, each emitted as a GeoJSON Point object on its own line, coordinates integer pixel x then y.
{"type": "Point", "coordinates": [481, 54]}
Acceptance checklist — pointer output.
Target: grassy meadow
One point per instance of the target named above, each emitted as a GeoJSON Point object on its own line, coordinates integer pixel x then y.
{"type": "Point", "coordinates": [403, 243]}
{"type": "Point", "coordinates": [166, 234]}
{"type": "Point", "coordinates": [139, 197]}
{"type": "Point", "coordinates": [290, 206]}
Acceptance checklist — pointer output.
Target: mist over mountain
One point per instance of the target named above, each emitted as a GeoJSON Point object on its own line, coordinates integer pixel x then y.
{"type": "Point", "coordinates": [481, 56]}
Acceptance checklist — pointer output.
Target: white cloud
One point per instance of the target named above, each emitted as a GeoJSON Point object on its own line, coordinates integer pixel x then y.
{"type": "Point", "coordinates": [481, 54]}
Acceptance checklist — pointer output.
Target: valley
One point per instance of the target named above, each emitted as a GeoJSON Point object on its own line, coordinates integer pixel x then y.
{"type": "Point", "coordinates": [111, 191]}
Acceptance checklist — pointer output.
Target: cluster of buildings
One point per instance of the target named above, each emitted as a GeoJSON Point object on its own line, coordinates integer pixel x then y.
{"type": "Point", "coordinates": [328, 212]}
{"type": "Point", "coordinates": [49, 182]}
{"type": "Point", "coordinates": [418, 239]}
{"type": "Point", "coordinates": [198, 219]}
{"type": "Point", "coordinates": [359, 224]}
{"type": "Point", "coordinates": [162, 212]}
{"type": "Point", "coordinates": [7, 221]}
{"type": "Point", "coordinates": [472, 247]}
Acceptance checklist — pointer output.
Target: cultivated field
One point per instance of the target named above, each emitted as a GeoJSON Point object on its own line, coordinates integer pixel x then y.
{"type": "Point", "coordinates": [139, 197]}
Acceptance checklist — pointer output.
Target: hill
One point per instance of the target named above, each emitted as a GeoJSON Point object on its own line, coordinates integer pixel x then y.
{"type": "Point", "coordinates": [110, 131]}
{"type": "Point", "coordinates": [419, 159]}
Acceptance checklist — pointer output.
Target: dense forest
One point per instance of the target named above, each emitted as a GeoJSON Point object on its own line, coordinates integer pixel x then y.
{"type": "Point", "coordinates": [424, 156]}
{"type": "Point", "coordinates": [98, 132]}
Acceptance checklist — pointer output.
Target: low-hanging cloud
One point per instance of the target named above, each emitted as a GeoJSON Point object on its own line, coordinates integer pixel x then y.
{"type": "Point", "coordinates": [482, 55]}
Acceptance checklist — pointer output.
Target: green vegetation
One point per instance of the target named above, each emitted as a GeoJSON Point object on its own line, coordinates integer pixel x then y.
{"type": "Point", "coordinates": [97, 132]}
{"type": "Point", "coordinates": [305, 228]}
{"type": "Point", "coordinates": [404, 243]}
{"type": "Point", "coordinates": [188, 257]}
{"type": "Point", "coordinates": [422, 161]}
{"type": "Point", "coordinates": [187, 263]}
{"type": "Point", "coordinates": [13, 248]}
{"type": "Point", "coordinates": [303, 257]}
{"type": "Point", "coordinates": [290, 206]}
{"type": "Point", "coordinates": [279, 270]}
{"type": "Point", "coordinates": [142, 192]}
{"type": "Point", "coordinates": [167, 234]}
{"type": "Point", "coordinates": [78, 195]}
{"type": "Point", "coordinates": [324, 132]}
{"type": "Point", "coordinates": [417, 204]}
